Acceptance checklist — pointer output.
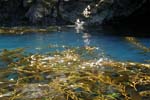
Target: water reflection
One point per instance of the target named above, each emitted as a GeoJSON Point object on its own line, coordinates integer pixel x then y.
{"type": "Point", "coordinates": [86, 39]}
{"type": "Point", "coordinates": [79, 26]}
{"type": "Point", "coordinates": [112, 45]}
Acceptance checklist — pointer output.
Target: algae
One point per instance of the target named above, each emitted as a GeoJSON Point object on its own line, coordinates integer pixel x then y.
{"type": "Point", "coordinates": [22, 30]}
{"type": "Point", "coordinates": [68, 75]}
{"type": "Point", "coordinates": [137, 43]}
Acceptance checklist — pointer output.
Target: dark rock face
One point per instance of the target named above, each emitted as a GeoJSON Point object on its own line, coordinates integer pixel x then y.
{"type": "Point", "coordinates": [50, 12]}
{"type": "Point", "coordinates": [9, 12]}
{"type": "Point", "coordinates": [109, 10]}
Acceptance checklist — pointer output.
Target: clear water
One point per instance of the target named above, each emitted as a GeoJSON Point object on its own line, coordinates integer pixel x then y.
{"type": "Point", "coordinates": [113, 46]}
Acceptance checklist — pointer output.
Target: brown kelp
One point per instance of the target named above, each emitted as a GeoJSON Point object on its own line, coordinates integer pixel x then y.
{"type": "Point", "coordinates": [22, 30]}
{"type": "Point", "coordinates": [69, 75]}
{"type": "Point", "coordinates": [137, 43]}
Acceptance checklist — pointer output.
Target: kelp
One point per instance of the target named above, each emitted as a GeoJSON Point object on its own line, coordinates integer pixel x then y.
{"type": "Point", "coordinates": [22, 30]}
{"type": "Point", "coordinates": [68, 75]}
{"type": "Point", "coordinates": [137, 43]}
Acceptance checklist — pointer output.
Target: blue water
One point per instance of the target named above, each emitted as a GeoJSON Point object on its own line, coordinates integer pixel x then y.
{"type": "Point", "coordinates": [113, 46]}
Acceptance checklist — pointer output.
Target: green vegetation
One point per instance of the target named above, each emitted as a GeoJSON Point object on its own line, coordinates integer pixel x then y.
{"type": "Point", "coordinates": [69, 75]}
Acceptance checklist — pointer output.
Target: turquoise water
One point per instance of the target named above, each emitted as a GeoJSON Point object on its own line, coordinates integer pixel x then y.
{"type": "Point", "coordinates": [112, 46]}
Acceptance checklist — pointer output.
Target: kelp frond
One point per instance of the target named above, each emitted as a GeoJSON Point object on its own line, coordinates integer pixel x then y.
{"type": "Point", "coordinates": [68, 75]}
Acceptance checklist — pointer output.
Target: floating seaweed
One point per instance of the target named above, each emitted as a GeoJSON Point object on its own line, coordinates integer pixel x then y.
{"type": "Point", "coordinates": [22, 30]}
{"type": "Point", "coordinates": [69, 75]}
{"type": "Point", "coordinates": [137, 43]}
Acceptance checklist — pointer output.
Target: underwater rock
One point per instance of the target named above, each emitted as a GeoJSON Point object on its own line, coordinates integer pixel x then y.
{"type": "Point", "coordinates": [34, 91]}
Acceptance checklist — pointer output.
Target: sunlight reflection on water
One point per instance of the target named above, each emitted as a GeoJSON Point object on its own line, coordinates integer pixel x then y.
{"type": "Point", "coordinates": [115, 47]}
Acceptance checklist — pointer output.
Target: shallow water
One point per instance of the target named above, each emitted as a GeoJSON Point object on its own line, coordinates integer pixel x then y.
{"type": "Point", "coordinates": [67, 73]}
{"type": "Point", "coordinates": [112, 46]}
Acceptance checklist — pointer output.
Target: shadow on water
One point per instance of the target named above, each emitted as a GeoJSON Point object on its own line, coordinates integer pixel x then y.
{"type": "Point", "coordinates": [123, 30]}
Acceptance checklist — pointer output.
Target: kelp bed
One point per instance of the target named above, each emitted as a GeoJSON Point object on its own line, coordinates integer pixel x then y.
{"type": "Point", "coordinates": [23, 30]}
{"type": "Point", "coordinates": [71, 74]}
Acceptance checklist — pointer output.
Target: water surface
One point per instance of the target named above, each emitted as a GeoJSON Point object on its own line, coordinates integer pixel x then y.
{"type": "Point", "coordinates": [112, 46]}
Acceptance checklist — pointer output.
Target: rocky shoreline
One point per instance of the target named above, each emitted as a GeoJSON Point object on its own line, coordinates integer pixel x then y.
{"type": "Point", "coordinates": [63, 12]}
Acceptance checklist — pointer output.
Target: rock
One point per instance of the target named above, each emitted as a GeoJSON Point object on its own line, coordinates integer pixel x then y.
{"type": "Point", "coordinates": [36, 12]}
{"type": "Point", "coordinates": [38, 91]}
{"type": "Point", "coordinates": [93, 12]}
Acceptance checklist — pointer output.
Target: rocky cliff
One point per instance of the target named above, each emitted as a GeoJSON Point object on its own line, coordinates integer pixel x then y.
{"type": "Point", "coordinates": [52, 12]}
